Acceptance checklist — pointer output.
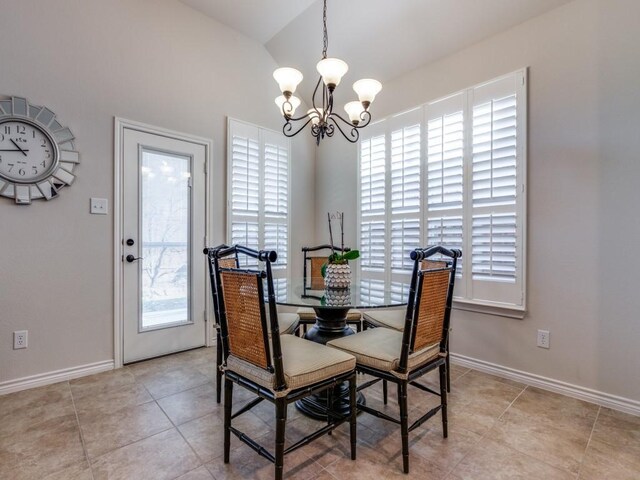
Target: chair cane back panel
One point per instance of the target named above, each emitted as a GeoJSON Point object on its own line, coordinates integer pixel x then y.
{"type": "Point", "coordinates": [432, 264]}
{"type": "Point", "coordinates": [431, 309]}
{"type": "Point", "coordinates": [244, 313]}
{"type": "Point", "coordinates": [316, 263]}
{"type": "Point", "coordinates": [228, 262]}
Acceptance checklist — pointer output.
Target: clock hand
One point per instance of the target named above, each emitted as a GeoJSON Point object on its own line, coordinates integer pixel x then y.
{"type": "Point", "coordinates": [14, 150]}
{"type": "Point", "coordinates": [18, 147]}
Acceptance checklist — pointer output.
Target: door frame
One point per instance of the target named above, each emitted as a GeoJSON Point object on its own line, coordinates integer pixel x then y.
{"type": "Point", "coordinates": [118, 271]}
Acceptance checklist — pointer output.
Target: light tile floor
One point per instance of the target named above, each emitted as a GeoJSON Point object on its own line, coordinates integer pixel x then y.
{"type": "Point", "coordinates": [159, 420]}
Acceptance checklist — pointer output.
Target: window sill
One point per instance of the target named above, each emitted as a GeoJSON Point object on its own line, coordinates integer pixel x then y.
{"type": "Point", "coordinates": [500, 310]}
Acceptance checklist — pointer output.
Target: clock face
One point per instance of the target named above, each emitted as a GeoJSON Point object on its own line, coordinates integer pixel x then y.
{"type": "Point", "coordinates": [27, 153]}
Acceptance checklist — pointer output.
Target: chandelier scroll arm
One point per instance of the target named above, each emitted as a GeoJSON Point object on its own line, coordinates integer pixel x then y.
{"type": "Point", "coordinates": [354, 134]}
{"type": "Point", "coordinates": [287, 127]}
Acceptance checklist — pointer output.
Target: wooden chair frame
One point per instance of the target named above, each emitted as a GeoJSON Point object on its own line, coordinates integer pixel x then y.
{"type": "Point", "coordinates": [408, 342]}
{"type": "Point", "coordinates": [211, 252]}
{"type": "Point", "coordinates": [274, 365]}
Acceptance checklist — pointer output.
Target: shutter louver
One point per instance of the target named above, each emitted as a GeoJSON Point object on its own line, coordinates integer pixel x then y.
{"type": "Point", "coordinates": [276, 238]}
{"type": "Point", "coordinates": [405, 170]}
{"type": "Point", "coordinates": [494, 152]}
{"type": "Point", "coordinates": [447, 231]}
{"type": "Point", "coordinates": [445, 149]}
{"type": "Point", "coordinates": [245, 177]}
{"type": "Point", "coordinates": [405, 237]}
{"type": "Point", "coordinates": [494, 247]}
{"type": "Point", "coordinates": [372, 176]}
{"type": "Point", "coordinates": [245, 233]}
{"type": "Point", "coordinates": [372, 246]}
{"type": "Point", "coordinates": [276, 181]}
{"type": "Point", "coordinates": [372, 291]}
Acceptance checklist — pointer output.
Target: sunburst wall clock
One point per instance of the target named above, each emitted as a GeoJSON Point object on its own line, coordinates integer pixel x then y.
{"type": "Point", "coordinates": [37, 154]}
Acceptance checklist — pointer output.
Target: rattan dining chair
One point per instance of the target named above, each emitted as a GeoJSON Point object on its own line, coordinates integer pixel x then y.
{"type": "Point", "coordinates": [403, 357]}
{"type": "Point", "coordinates": [287, 322]}
{"type": "Point", "coordinates": [394, 319]}
{"type": "Point", "coordinates": [279, 368]}
{"type": "Point", "coordinates": [313, 280]}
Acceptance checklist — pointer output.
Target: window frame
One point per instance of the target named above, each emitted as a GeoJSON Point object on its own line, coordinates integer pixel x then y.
{"type": "Point", "coordinates": [388, 125]}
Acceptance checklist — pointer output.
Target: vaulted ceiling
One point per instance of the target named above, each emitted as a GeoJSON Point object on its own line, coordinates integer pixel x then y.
{"type": "Point", "coordinates": [379, 39]}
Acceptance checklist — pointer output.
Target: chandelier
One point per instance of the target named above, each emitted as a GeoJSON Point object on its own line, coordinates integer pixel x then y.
{"type": "Point", "coordinates": [322, 117]}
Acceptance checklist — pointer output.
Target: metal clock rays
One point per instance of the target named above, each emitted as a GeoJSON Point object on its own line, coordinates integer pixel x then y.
{"type": "Point", "coordinates": [323, 119]}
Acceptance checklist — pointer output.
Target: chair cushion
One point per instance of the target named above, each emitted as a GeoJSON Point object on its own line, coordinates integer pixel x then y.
{"type": "Point", "coordinates": [287, 323]}
{"type": "Point", "coordinates": [304, 363]}
{"type": "Point", "coordinates": [386, 318]}
{"type": "Point", "coordinates": [309, 315]}
{"type": "Point", "coordinates": [380, 348]}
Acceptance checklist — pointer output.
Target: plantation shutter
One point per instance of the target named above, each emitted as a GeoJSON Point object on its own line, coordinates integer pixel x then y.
{"type": "Point", "coordinates": [373, 206]}
{"type": "Point", "coordinates": [245, 187]}
{"type": "Point", "coordinates": [405, 189]}
{"type": "Point", "coordinates": [258, 192]}
{"type": "Point", "coordinates": [276, 196]}
{"type": "Point", "coordinates": [445, 121]}
{"type": "Point", "coordinates": [496, 211]}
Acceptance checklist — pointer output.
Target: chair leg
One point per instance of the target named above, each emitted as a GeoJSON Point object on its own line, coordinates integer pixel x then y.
{"type": "Point", "coordinates": [447, 360]}
{"type": "Point", "coordinates": [228, 400]}
{"type": "Point", "coordinates": [329, 406]}
{"type": "Point", "coordinates": [281, 420]}
{"type": "Point", "coordinates": [354, 412]}
{"type": "Point", "coordinates": [384, 391]}
{"type": "Point", "coordinates": [218, 364]}
{"type": "Point", "coordinates": [443, 399]}
{"type": "Point", "coordinates": [404, 425]}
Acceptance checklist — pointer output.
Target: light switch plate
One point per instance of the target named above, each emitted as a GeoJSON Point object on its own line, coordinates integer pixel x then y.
{"type": "Point", "coordinates": [99, 206]}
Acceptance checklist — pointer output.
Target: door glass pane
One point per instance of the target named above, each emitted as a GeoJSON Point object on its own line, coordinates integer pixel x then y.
{"type": "Point", "coordinates": [165, 213]}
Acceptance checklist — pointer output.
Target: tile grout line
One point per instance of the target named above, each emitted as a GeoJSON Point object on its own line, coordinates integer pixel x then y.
{"type": "Point", "coordinates": [178, 430]}
{"type": "Point", "coordinates": [84, 446]}
{"type": "Point", "coordinates": [588, 442]}
{"type": "Point", "coordinates": [484, 435]}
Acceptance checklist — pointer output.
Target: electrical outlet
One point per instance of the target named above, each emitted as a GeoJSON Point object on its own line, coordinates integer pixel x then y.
{"type": "Point", "coordinates": [20, 339]}
{"type": "Point", "coordinates": [543, 338]}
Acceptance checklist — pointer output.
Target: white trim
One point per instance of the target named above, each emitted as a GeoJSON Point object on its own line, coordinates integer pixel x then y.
{"type": "Point", "coordinates": [55, 376]}
{"type": "Point", "coordinates": [626, 405]}
{"type": "Point", "coordinates": [119, 125]}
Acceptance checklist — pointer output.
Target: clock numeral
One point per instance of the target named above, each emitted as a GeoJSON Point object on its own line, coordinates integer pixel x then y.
{"type": "Point", "coordinates": [33, 133]}
{"type": "Point", "coordinates": [1, 137]}
{"type": "Point", "coordinates": [35, 169]}
{"type": "Point", "coordinates": [21, 130]}
{"type": "Point", "coordinates": [7, 129]}
{"type": "Point", "coordinates": [11, 165]}
{"type": "Point", "coordinates": [21, 172]}
{"type": "Point", "coordinates": [42, 163]}
{"type": "Point", "coordinates": [44, 143]}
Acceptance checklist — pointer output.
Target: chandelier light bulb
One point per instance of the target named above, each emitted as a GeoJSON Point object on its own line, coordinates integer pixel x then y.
{"type": "Point", "coordinates": [354, 110]}
{"type": "Point", "coordinates": [367, 89]}
{"type": "Point", "coordinates": [289, 108]}
{"type": "Point", "coordinates": [314, 115]}
{"type": "Point", "coordinates": [288, 79]}
{"type": "Point", "coordinates": [332, 70]}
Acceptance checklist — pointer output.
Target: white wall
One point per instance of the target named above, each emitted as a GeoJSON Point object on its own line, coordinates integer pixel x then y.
{"type": "Point", "coordinates": [583, 171]}
{"type": "Point", "coordinates": [153, 61]}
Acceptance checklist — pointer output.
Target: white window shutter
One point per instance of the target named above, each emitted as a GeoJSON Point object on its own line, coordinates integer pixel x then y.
{"type": "Point", "coordinates": [372, 176]}
{"type": "Point", "coordinates": [258, 190]}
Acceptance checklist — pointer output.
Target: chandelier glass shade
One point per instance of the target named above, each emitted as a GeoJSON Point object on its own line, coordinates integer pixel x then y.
{"type": "Point", "coordinates": [322, 118]}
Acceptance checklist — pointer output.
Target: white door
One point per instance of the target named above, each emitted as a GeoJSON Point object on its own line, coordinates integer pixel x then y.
{"type": "Point", "coordinates": [163, 229]}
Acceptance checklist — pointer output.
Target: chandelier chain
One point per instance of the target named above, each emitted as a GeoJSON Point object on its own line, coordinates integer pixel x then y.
{"type": "Point", "coordinates": [324, 25]}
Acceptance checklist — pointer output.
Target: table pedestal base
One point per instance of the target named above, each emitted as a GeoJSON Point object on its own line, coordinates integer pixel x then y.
{"type": "Point", "coordinates": [331, 323]}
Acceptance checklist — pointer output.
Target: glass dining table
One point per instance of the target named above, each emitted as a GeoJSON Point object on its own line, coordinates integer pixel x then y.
{"type": "Point", "coordinates": [331, 307]}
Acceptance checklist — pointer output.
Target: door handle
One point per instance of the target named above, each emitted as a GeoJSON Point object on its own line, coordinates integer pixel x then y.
{"type": "Point", "coordinates": [131, 258]}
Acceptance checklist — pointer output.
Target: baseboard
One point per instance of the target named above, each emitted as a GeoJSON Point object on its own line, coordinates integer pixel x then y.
{"type": "Point", "coordinates": [56, 376]}
{"type": "Point", "coordinates": [614, 402]}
